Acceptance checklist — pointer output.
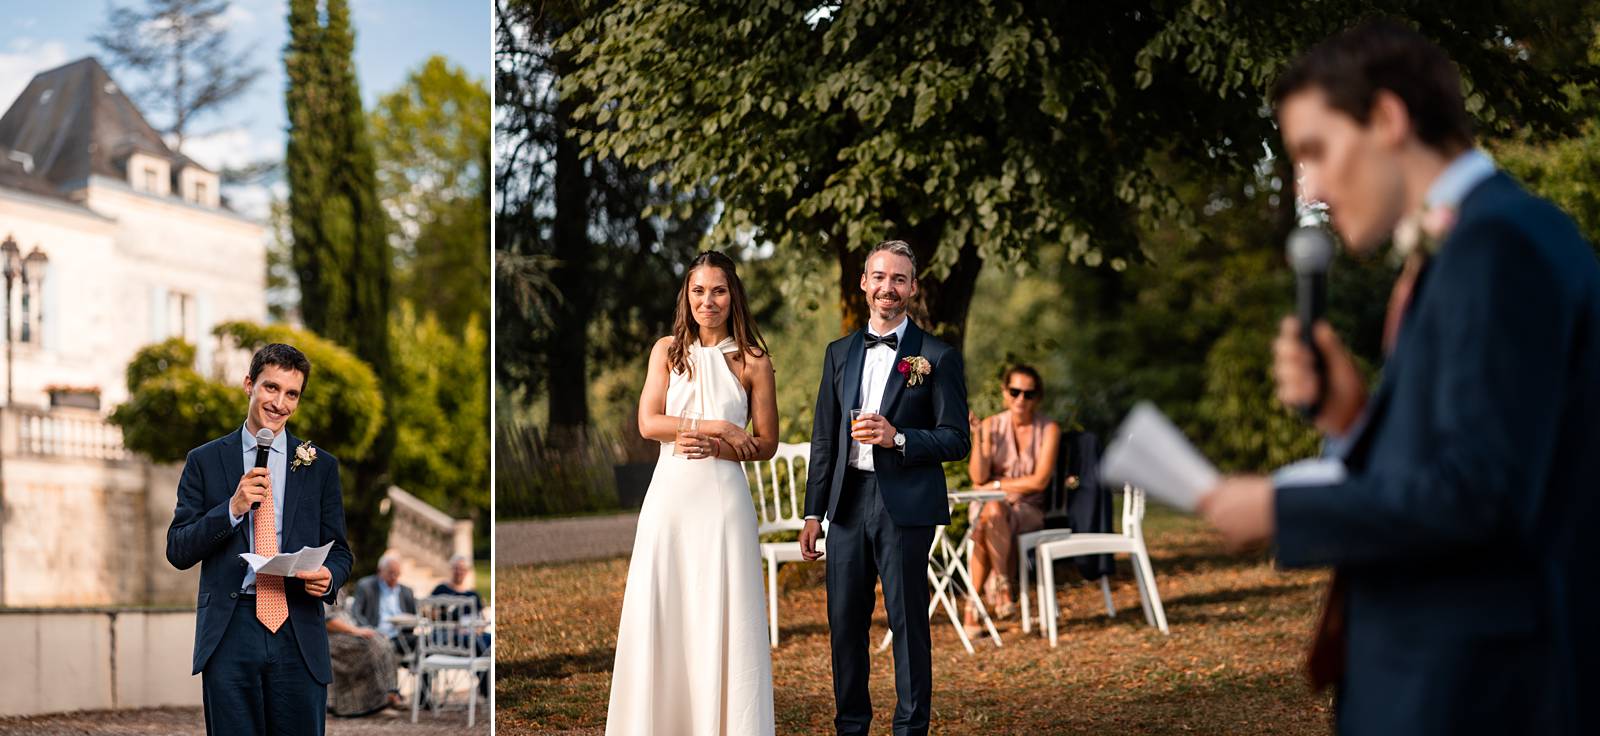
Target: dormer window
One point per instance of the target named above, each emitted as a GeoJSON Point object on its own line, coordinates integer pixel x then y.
{"type": "Point", "coordinates": [198, 186]}
{"type": "Point", "coordinates": [149, 174]}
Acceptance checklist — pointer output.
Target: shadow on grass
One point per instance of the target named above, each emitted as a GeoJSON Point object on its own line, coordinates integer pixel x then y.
{"type": "Point", "coordinates": [1237, 595]}
{"type": "Point", "coordinates": [557, 666]}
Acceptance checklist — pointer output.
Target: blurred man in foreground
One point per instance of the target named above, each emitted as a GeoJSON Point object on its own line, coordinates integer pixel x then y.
{"type": "Point", "coordinates": [1452, 499]}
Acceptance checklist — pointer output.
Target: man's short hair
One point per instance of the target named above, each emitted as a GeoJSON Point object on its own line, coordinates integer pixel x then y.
{"type": "Point", "coordinates": [897, 247]}
{"type": "Point", "coordinates": [1383, 54]}
{"type": "Point", "coordinates": [283, 356]}
{"type": "Point", "coordinates": [388, 558]}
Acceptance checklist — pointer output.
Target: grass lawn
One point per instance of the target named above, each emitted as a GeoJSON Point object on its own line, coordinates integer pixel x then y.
{"type": "Point", "coordinates": [1230, 666]}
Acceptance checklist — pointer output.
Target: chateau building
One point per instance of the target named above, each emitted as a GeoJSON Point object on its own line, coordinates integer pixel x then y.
{"type": "Point", "coordinates": [111, 241]}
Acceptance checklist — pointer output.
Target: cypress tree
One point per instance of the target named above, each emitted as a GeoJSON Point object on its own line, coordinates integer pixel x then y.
{"type": "Point", "coordinates": [340, 254]}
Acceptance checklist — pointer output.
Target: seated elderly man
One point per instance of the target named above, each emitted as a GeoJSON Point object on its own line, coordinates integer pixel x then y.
{"type": "Point", "coordinates": [381, 597]}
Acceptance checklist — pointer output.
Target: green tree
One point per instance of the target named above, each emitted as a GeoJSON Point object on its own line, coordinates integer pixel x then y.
{"type": "Point", "coordinates": [586, 272]}
{"type": "Point", "coordinates": [442, 447]}
{"type": "Point", "coordinates": [172, 409]}
{"type": "Point", "coordinates": [983, 131]}
{"type": "Point", "coordinates": [341, 253]}
{"type": "Point", "coordinates": [431, 139]}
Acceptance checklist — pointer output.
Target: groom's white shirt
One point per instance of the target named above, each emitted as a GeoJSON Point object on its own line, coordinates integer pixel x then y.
{"type": "Point", "coordinates": [875, 369]}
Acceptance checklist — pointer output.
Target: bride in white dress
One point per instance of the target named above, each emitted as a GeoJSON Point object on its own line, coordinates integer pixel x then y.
{"type": "Point", "coordinates": [692, 652]}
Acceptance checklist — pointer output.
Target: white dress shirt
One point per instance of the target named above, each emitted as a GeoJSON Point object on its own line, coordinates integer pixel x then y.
{"type": "Point", "coordinates": [876, 366]}
{"type": "Point", "coordinates": [388, 607]}
{"type": "Point", "coordinates": [278, 467]}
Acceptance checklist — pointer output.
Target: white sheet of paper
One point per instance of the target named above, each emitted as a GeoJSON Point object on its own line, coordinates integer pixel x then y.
{"type": "Point", "coordinates": [307, 559]}
{"type": "Point", "coordinates": [1149, 452]}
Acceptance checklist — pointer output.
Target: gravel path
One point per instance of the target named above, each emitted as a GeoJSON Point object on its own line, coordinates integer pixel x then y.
{"type": "Point", "coordinates": [543, 541]}
{"type": "Point", "coordinates": [189, 722]}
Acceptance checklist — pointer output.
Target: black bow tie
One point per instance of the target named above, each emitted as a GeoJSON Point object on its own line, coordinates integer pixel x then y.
{"type": "Point", "coordinates": [891, 340]}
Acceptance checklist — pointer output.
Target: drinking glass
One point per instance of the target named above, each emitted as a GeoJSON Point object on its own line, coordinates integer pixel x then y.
{"type": "Point", "coordinates": [689, 421]}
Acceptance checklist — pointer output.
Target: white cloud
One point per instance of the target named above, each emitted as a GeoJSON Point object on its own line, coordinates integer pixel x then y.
{"type": "Point", "coordinates": [236, 16]}
{"type": "Point", "coordinates": [251, 200]}
{"type": "Point", "coordinates": [231, 147]}
{"type": "Point", "coordinates": [22, 59]}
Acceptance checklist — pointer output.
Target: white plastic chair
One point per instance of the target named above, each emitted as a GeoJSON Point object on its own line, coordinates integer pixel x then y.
{"type": "Point", "coordinates": [447, 640]}
{"type": "Point", "coordinates": [780, 486]}
{"type": "Point", "coordinates": [1056, 509]}
{"type": "Point", "coordinates": [1130, 541]}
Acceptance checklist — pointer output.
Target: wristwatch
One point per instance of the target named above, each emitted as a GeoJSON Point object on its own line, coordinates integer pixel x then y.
{"type": "Point", "coordinates": [900, 441]}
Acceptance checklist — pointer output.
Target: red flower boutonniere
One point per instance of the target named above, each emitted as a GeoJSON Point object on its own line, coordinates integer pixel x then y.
{"type": "Point", "coordinates": [914, 368]}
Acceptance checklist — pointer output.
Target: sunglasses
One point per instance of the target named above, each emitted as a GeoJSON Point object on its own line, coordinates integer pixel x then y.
{"type": "Point", "coordinates": [1028, 393]}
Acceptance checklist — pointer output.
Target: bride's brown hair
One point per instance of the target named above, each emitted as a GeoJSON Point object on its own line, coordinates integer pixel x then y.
{"type": "Point", "coordinates": [741, 326]}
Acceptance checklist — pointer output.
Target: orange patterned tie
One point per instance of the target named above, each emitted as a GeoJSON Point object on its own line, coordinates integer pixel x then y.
{"type": "Point", "coordinates": [271, 607]}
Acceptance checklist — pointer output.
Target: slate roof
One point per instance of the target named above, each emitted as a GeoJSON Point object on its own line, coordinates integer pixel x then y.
{"type": "Point", "coordinates": [74, 121]}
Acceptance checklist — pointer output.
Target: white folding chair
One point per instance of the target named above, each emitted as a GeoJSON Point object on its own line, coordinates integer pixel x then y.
{"type": "Point", "coordinates": [1056, 497]}
{"type": "Point", "coordinates": [447, 640]}
{"type": "Point", "coordinates": [1130, 541]}
{"type": "Point", "coordinates": [780, 486]}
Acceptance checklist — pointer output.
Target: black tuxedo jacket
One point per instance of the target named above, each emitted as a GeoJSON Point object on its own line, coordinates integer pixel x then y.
{"type": "Point", "coordinates": [1459, 531]}
{"type": "Point", "coordinates": [201, 532]}
{"type": "Point", "coordinates": [932, 415]}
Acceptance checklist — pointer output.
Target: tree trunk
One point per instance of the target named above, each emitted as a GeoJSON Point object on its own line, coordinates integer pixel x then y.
{"type": "Point", "coordinates": [567, 386]}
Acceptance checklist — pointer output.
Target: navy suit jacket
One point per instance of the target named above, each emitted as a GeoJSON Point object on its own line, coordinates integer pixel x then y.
{"type": "Point", "coordinates": [1470, 595]}
{"type": "Point", "coordinates": [932, 415]}
{"type": "Point", "coordinates": [201, 532]}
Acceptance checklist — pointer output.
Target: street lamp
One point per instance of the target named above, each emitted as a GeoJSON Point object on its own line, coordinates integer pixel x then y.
{"type": "Point", "coordinates": [11, 256]}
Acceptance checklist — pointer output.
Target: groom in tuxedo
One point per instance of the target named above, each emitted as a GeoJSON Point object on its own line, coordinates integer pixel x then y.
{"type": "Point", "coordinates": [881, 486]}
{"type": "Point", "coordinates": [260, 644]}
{"type": "Point", "coordinates": [1455, 504]}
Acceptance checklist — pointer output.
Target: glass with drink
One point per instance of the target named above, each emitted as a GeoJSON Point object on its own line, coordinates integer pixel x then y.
{"type": "Point", "coordinates": [688, 422]}
{"type": "Point", "coordinates": [856, 415]}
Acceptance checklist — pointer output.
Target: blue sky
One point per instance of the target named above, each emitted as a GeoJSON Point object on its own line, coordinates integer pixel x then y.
{"type": "Point", "coordinates": [393, 37]}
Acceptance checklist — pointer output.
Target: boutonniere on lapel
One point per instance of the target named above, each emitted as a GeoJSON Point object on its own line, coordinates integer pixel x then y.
{"type": "Point", "coordinates": [914, 368]}
{"type": "Point", "coordinates": [305, 454]}
{"type": "Point", "coordinates": [1424, 230]}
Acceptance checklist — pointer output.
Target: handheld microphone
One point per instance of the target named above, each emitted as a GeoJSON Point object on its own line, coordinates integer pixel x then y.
{"type": "Point", "coordinates": [263, 447]}
{"type": "Point", "coordinates": [1310, 254]}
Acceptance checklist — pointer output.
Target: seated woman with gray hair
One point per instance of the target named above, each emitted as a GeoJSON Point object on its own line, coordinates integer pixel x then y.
{"type": "Point", "coordinates": [460, 566]}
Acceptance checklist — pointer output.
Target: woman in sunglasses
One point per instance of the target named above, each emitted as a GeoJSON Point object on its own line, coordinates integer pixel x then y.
{"type": "Point", "coordinates": [1015, 452]}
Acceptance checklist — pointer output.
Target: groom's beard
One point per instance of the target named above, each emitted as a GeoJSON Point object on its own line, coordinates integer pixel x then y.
{"type": "Point", "coordinates": [887, 313]}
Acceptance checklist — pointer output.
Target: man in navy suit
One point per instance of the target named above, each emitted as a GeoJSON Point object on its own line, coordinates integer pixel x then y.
{"type": "Point", "coordinates": [260, 644]}
{"type": "Point", "coordinates": [881, 486]}
{"type": "Point", "coordinates": [1453, 501]}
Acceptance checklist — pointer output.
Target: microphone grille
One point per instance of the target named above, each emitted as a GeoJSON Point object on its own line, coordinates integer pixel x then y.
{"type": "Point", "coordinates": [263, 437]}
{"type": "Point", "coordinates": [1310, 250]}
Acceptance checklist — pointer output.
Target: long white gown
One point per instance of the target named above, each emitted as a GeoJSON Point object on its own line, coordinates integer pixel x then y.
{"type": "Point", "coordinates": [692, 653]}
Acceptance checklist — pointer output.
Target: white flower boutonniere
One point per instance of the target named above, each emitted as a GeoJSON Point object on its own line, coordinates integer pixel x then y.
{"type": "Point", "coordinates": [305, 454]}
{"type": "Point", "coordinates": [914, 368]}
{"type": "Point", "coordinates": [1424, 230]}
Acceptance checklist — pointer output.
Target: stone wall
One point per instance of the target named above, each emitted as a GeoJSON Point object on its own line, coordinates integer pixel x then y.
{"type": "Point", "coordinates": [86, 532]}
{"type": "Point", "coordinates": [65, 660]}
